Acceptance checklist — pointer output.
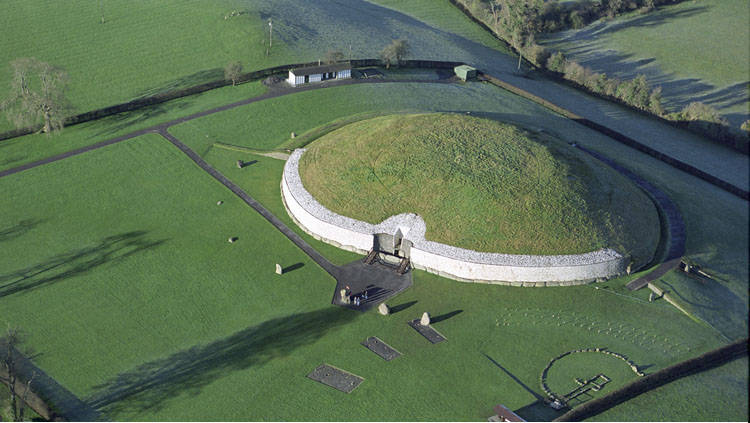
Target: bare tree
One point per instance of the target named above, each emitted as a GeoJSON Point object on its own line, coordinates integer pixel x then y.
{"type": "Point", "coordinates": [396, 50]}
{"type": "Point", "coordinates": [37, 94]}
{"type": "Point", "coordinates": [333, 56]}
{"type": "Point", "coordinates": [232, 72]}
{"type": "Point", "coordinates": [10, 343]}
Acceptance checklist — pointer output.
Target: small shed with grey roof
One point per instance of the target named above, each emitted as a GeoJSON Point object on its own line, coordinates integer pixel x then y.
{"type": "Point", "coordinates": [301, 76]}
{"type": "Point", "coordinates": [465, 72]}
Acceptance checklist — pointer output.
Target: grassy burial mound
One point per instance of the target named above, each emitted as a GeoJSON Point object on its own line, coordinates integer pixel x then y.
{"type": "Point", "coordinates": [480, 184]}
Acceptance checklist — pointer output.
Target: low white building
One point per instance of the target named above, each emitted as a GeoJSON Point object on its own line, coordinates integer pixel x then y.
{"type": "Point", "coordinates": [301, 76]}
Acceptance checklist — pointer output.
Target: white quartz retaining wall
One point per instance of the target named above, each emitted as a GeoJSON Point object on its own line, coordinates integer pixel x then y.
{"type": "Point", "coordinates": [445, 260]}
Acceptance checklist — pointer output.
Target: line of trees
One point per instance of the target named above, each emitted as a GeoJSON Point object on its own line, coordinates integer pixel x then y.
{"type": "Point", "coordinates": [552, 16]}
{"type": "Point", "coordinates": [519, 21]}
{"type": "Point", "coordinates": [636, 92]}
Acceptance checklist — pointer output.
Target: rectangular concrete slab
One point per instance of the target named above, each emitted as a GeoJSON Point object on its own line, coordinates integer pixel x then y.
{"type": "Point", "coordinates": [380, 348]}
{"type": "Point", "coordinates": [335, 378]}
{"type": "Point", "coordinates": [427, 331]}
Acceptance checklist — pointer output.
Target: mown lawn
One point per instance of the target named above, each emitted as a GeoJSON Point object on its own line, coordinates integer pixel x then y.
{"type": "Point", "coordinates": [697, 51]}
{"type": "Point", "coordinates": [143, 48]}
{"type": "Point", "coordinates": [719, 394]}
{"type": "Point", "coordinates": [716, 221]}
{"type": "Point", "coordinates": [480, 184]}
{"type": "Point", "coordinates": [442, 14]}
{"type": "Point", "coordinates": [145, 311]}
{"type": "Point", "coordinates": [18, 151]}
{"type": "Point", "coordinates": [166, 320]}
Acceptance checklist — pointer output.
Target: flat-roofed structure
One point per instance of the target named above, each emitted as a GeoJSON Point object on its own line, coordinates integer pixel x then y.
{"type": "Point", "coordinates": [307, 75]}
{"type": "Point", "coordinates": [465, 72]}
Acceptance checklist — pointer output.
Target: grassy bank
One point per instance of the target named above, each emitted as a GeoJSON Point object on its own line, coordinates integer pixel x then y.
{"type": "Point", "coordinates": [479, 184]}
{"type": "Point", "coordinates": [715, 33]}
{"type": "Point", "coordinates": [143, 48]}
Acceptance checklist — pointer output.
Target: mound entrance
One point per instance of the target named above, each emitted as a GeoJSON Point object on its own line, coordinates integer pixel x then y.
{"type": "Point", "coordinates": [481, 185]}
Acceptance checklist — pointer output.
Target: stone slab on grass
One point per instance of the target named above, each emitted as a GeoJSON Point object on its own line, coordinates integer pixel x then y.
{"type": "Point", "coordinates": [335, 378]}
{"type": "Point", "coordinates": [427, 331]}
{"type": "Point", "coordinates": [380, 348]}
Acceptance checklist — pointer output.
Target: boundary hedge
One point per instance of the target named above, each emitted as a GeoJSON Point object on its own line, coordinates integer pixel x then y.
{"type": "Point", "coordinates": [184, 92]}
{"type": "Point", "coordinates": [738, 141]}
{"type": "Point", "coordinates": [621, 138]}
{"type": "Point", "coordinates": [709, 360]}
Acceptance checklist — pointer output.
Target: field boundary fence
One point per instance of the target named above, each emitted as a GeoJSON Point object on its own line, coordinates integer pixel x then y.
{"type": "Point", "coordinates": [703, 362]}
{"type": "Point", "coordinates": [425, 64]}
{"type": "Point", "coordinates": [738, 141]}
{"type": "Point", "coordinates": [207, 86]}
{"type": "Point", "coordinates": [622, 138]}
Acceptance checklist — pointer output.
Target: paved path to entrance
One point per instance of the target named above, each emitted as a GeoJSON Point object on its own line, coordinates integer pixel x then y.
{"type": "Point", "coordinates": [381, 281]}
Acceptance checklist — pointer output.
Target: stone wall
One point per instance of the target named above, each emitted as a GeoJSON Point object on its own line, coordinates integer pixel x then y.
{"type": "Point", "coordinates": [445, 260]}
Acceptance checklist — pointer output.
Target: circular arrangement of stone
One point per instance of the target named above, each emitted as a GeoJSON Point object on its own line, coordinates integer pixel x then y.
{"type": "Point", "coordinates": [444, 260]}
{"type": "Point", "coordinates": [560, 399]}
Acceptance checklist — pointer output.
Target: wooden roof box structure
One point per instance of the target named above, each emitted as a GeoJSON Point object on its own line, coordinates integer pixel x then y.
{"type": "Point", "coordinates": [306, 75]}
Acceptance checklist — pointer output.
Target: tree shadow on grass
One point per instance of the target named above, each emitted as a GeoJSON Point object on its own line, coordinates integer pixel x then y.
{"type": "Point", "coordinates": [150, 385]}
{"type": "Point", "coordinates": [19, 229]}
{"type": "Point", "coordinates": [111, 125]}
{"type": "Point", "coordinates": [74, 263]}
{"type": "Point", "coordinates": [187, 81]}
{"type": "Point", "coordinates": [602, 28]}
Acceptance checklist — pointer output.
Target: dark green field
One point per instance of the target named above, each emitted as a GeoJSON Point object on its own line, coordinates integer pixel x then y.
{"type": "Point", "coordinates": [116, 264]}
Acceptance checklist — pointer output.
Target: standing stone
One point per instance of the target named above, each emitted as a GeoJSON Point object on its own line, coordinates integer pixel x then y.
{"type": "Point", "coordinates": [651, 297]}
{"type": "Point", "coordinates": [425, 319]}
{"type": "Point", "coordinates": [279, 270]}
{"type": "Point", "coordinates": [239, 164]}
{"type": "Point", "coordinates": [232, 239]}
{"type": "Point", "coordinates": [294, 135]}
{"type": "Point", "coordinates": [383, 309]}
{"type": "Point", "coordinates": [218, 203]}
{"type": "Point", "coordinates": [630, 268]}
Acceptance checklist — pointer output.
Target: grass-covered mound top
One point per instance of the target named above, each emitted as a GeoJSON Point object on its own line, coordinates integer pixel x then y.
{"type": "Point", "coordinates": [480, 184]}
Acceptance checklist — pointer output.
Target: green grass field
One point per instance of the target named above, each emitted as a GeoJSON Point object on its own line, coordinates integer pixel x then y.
{"type": "Point", "coordinates": [442, 14]}
{"type": "Point", "coordinates": [480, 184]}
{"type": "Point", "coordinates": [117, 266]}
{"type": "Point", "coordinates": [717, 395]}
{"type": "Point", "coordinates": [21, 150]}
{"type": "Point", "coordinates": [697, 51]}
{"type": "Point", "coordinates": [143, 48]}
{"type": "Point", "coordinates": [713, 223]}
{"type": "Point", "coordinates": [166, 320]}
